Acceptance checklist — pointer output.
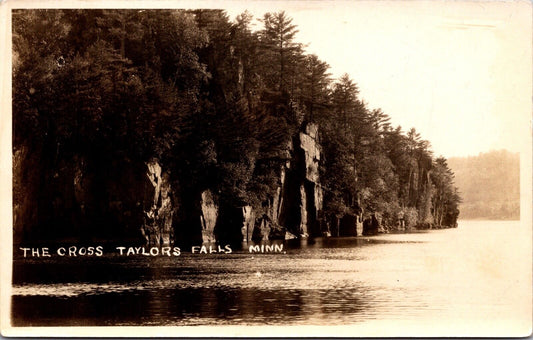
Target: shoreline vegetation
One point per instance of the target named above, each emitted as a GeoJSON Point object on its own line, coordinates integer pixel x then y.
{"type": "Point", "coordinates": [185, 127]}
{"type": "Point", "coordinates": [481, 219]}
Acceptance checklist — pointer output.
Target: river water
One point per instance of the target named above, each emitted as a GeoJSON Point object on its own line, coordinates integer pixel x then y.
{"type": "Point", "coordinates": [472, 280]}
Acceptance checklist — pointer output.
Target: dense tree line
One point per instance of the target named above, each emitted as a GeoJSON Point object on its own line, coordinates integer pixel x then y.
{"type": "Point", "coordinates": [212, 100]}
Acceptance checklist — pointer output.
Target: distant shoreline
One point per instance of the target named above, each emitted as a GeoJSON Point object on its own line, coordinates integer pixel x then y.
{"type": "Point", "coordinates": [487, 219]}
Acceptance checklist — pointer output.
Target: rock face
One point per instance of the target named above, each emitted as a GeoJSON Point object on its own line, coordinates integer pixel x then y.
{"type": "Point", "coordinates": [309, 144]}
{"type": "Point", "coordinates": [348, 225]}
{"type": "Point", "coordinates": [248, 223]}
{"type": "Point", "coordinates": [263, 230]}
{"type": "Point", "coordinates": [103, 197]}
{"type": "Point", "coordinates": [296, 206]}
{"type": "Point", "coordinates": [303, 229]}
{"type": "Point", "coordinates": [25, 184]}
{"type": "Point", "coordinates": [89, 197]}
{"type": "Point", "coordinates": [311, 193]}
{"type": "Point", "coordinates": [208, 217]}
{"type": "Point", "coordinates": [271, 224]}
{"type": "Point", "coordinates": [157, 228]}
{"type": "Point", "coordinates": [371, 225]}
{"type": "Point", "coordinates": [359, 226]}
{"type": "Point", "coordinates": [301, 193]}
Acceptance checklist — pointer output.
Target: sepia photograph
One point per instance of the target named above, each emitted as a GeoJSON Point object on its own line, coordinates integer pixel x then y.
{"type": "Point", "coordinates": [266, 168]}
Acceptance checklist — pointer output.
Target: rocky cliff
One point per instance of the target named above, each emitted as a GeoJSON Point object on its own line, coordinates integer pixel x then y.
{"type": "Point", "coordinates": [300, 198]}
{"type": "Point", "coordinates": [292, 212]}
{"type": "Point", "coordinates": [98, 196]}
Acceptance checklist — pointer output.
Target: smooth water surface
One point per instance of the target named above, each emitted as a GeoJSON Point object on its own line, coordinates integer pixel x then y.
{"type": "Point", "coordinates": [472, 275]}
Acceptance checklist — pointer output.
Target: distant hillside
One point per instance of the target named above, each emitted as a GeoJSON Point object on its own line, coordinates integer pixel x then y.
{"type": "Point", "coordinates": [489, 184]}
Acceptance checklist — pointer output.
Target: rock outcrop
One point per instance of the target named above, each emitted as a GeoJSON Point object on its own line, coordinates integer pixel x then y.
{"type": "Point", "coordinates": [272, 223]}
{"type": "Point", "coordinates": [301, 195]}
{"type": "Point", "coordinates": [350, 225]}
{"type": "Point", "coordinates": [311, 193]}
{"type": "Point", "coordinates": [309, 144]}
{"type": "Point", "coordinates": [208, 217]}
{"type": "Point", "coordinates": [25, 194]}
{"type": "Point", "coordinates": [157, 227]}
{"type": "Point", "coordinates": [295, 208]}
{"type": "Point", "coordinates": [248, 223]}
{"type": "Point", "coordinates": [371, 225]}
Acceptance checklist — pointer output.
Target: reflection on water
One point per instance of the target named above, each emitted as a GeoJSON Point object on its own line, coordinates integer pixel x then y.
{"type": "Point", "coordinates": [457, 274]}
{"type": "Point", "coordinates": [194, 306]}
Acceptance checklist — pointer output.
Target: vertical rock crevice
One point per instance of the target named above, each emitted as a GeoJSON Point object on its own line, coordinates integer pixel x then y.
{"type": "Point", "coordinates": [301, 195]}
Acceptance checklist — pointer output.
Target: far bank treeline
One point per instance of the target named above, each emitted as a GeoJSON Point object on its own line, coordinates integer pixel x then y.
{"type": "Point", "coordinates": [173, 126]}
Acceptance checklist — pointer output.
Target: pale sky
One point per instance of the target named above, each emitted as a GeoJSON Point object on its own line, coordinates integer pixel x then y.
{"type": "Point", "coordinates": [457, 71]}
